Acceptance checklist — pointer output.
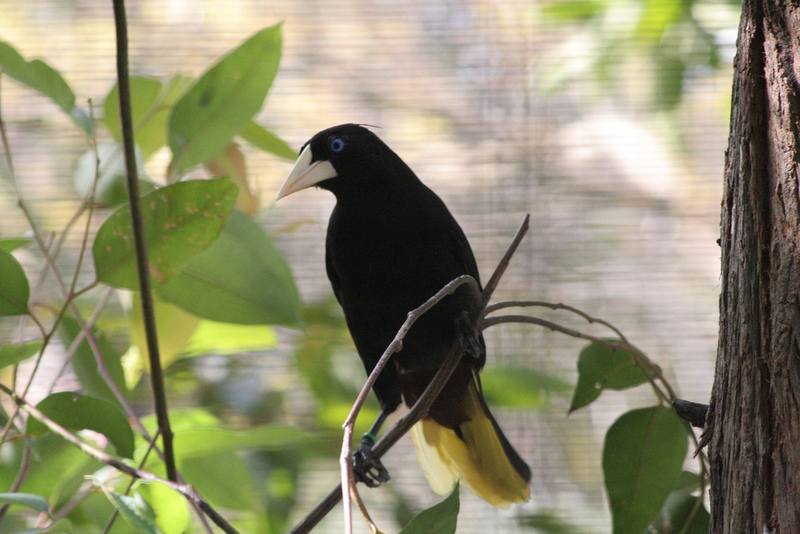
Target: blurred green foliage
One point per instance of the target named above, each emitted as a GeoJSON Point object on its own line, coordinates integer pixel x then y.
{"type": "Point", "coordinates": [251, 414]}
{"type": "Point", "coordinates": [643, 49]}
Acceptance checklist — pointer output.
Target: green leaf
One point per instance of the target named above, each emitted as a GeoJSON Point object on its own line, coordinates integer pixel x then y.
{"type": "Point", "coordinates": [110, 189]}
{"type": "Point", "coordinates": [151, 104]}
{"type": "Point", "coordinates": [670, 70]}
{"type": "Point", "coordinates": [656, 16]}
{"type": "Point", "coordinates": [10, 244]}
{"type": "Point", "coordinates": [18, 352]}
{"type": "Point", "coordinates": [84, 363]}
{"type": "Point", "coordinates": [440, 518]}
{"type": "Point", "coordinates": [688, 482]}
{"type": "Point", "coordinates": [599, 368]}
{"type": "Point", "coordinates": [549, 522]}
{"type": "Point", "coordinates": [223, 101]}
{"type": "Point", "coordinates": [170, 508]}
{"type": "Point", "coordinates": [195, 442]}
{"type": "Point", "coordinates": [180, 220]}
{"type": "Point", "coordinates": [260, 137]}
{"type": "Point", "coordinates": [642, 457]}
{"type": "Point", "coordinates": [43, 78]}
{"type": "Point", "coordinates": [178, 323]}
{"type": "Point", "coordinates": [519, 387]}
{"type": "Point", "coordinates": [133, 508]}
{"type": "Point", "coordinates": [561, 11]}
{"type": "Point", "coordinates": [256, 288]}
{"type": "Point", "coordinates": [675, 514]}
{"type": "Point", "coordinates": [26, 499]}
{"type": "Point", "coordinates": [14, 288]}
{"type": "Point", "coordinates": [228, 338]}
{"type": "Point", "coordinates": [59, 468]}
{"type": "Point", "coordinates": [223, 479]}
{"type": "Point", "coordinates": [78, 412]}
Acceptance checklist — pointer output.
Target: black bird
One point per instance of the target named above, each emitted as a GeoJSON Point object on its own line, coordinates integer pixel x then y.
{"type": "Point", "coordinates": [391, 245]}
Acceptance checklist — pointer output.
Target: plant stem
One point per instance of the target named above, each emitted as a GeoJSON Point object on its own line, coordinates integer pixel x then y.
{"type": "Point", "coordinates": [139, 244]}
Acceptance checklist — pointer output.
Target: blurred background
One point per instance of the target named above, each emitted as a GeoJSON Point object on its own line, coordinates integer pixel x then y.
{"type": "Point", "coordinates": [606, 120]}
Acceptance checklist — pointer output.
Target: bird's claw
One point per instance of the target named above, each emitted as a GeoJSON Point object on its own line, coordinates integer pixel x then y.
{"type": "Point", "coordinates": [366, 467]}
{"type": "Point", "coordinates": [469, 336]}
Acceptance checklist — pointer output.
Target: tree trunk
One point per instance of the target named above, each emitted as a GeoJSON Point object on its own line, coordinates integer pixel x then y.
{"type": "Point", "coordinates": [753, 426]}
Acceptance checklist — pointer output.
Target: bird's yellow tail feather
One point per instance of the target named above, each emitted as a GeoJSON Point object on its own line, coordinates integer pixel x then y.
{"type": "Point", "coordinates": [479, 460]}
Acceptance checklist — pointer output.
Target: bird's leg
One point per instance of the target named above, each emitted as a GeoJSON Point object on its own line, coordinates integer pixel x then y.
{"type": "Point", "coordinates": [468, 337]}
{"type": "Point", "coordinates": [366, 467]}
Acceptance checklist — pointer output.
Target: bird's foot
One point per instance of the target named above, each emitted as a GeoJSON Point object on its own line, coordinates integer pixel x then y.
{"type": "Point", "coordinates": [469, 337]}
{"type": "Point", "coordinates": [366, 467]}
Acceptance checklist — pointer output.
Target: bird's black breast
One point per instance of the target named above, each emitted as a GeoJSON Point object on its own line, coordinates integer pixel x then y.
{"type": "Point", "coordinates": [386, 260]}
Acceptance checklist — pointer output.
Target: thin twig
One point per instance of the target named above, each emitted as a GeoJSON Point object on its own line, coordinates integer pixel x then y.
{"type": "Point", "coordinates": [494, 280]}
{"type": "Point", "coordinates": [103, 457]}
{"type": "Point", "coordinates": [139, 244]}
{"type": "Point", "coordinates": [491, 308]}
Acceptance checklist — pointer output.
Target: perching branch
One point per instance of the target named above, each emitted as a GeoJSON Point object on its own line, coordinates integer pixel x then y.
{"type": "Point", "coordinates": [101, 456]}
{"type": "Point", "coordinates": [139, 244]}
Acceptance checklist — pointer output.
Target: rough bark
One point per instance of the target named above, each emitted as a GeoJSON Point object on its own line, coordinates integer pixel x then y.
{"type": "Point", "coordinates": [753, 426]}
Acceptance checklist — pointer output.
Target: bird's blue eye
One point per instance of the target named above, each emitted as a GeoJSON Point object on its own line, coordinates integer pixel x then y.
{"type": "Point", "coordinates": [337, 145]}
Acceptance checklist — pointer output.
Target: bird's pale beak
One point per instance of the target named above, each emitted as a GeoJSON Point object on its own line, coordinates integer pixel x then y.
{"type": "Point", "coordinates": [306, 173]}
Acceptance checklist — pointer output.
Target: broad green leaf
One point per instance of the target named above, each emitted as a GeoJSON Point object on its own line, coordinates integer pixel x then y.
{"type": "Point", "coordinates": [260, 137]}
{"type": "Point", "coordinates": [670, 69]}
{"type": "Point", "coordinates": [440, 518]}
{"type": "Point", "coordinates": [223, 101]}
{"type": "Point", "coordinates": [676, 512]}
{"type": "Point", "coordinates": [183, 419]}
{"type": "Point", "coordinates": [642, 457]}
{"type": "Point", "coordinates": [228, 338]}
{"type": "Point", "coordinates": [59, 469]}
{"type": "Point", "coordinates": [230, 163]}
{"type": "Point", "coordinates": [223, 479]}
{"type": "Point", "coordinates": [599, 368]}
{"type": "Point", "coordinates": [574, 10]}
{"type": "Point", "coordinates": [549, 523]}
{"type": "Point", "coordinates": [14, 288]}
{"type": "Point", "coordinates": [180, 220]}
{"type": "Point", "coordinates": [656, 16]}
{"type": "Point", "coordinates": [10, 244]}
{"type": "Point", "coordinates": [175, 327]}
{"type": "Point", "coordinates": [688, 482]}
{"type": "Point", "coordinates": [77, 412]}
{"type": "Point", "coordinates": [84, 363]}
{"type": "Point", "coordinates": [519, 387]}
{"type": "Point", "coordinates": [151, 103]}
{"type": "Point", "coordinates": [170, 508]}
{"type": "Point", "coordinates": [14, 353]}
{"type": "Point", "coordinates": [43, 78]}
{"type": "Point", "coordinates": [201, 441]}
{"type": "Point", "coordinates": [133, 508]}
{"type": "Point", "coordinates": [256, 288]}
{"type": "Point", "coordinates": [110, 173]}
{"type": "Point", "coordinates": [26, 499]}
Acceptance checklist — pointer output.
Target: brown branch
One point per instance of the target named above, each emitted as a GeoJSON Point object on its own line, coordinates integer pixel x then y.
{"type": "Point", "coordinates": [491, 285]}
{"type": "Point", "coordinates": [139, 241]}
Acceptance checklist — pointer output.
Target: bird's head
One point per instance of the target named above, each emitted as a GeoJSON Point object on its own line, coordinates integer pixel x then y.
{"type": "Point", "coordinates": [332, 156]}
